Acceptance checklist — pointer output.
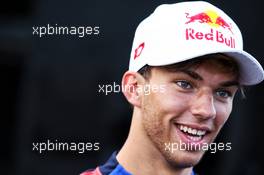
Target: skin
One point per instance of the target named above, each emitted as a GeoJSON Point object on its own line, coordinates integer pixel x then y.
{"type": "Point", "coordinates": [200, 97]}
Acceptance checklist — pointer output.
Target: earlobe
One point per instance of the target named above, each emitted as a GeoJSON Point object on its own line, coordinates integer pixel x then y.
{"type": "Point", "coordinates": [130, 83]}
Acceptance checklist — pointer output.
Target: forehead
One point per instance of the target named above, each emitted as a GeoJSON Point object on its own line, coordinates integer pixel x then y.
{"type": "Point", "coordinates": [212, 66]}
{"type": "Point", "coordinates": [204, 74]}
{"type": "Point", "coordinates": [208, 71]}
{"type": "Point", "coordinates": [218, 62]}
{"type": "Point", "coordinates": [221, 62]}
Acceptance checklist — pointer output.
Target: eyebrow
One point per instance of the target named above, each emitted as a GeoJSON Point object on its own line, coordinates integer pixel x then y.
{"type": "Point", "coordinates": [229, 83]}
{"type": "Point", "coordinates": [196, 76]}
{"type": "Point", "coordinates": [192, 74]}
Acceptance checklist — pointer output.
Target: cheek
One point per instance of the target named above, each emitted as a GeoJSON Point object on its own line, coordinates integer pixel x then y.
{"type": "Point", "coordinates": [171, 102]}
{"type": "Point", "coordinates": [222, 114]}
{"type": "Point", "coordinates": [159, 108]}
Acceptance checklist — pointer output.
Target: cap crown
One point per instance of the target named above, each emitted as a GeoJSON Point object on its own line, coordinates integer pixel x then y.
{"type": "Point", "coordinates": [177, 32]}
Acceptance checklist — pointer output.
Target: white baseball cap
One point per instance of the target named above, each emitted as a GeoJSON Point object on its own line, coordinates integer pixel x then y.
{"type": "Point", "coordinates": [177, 32]}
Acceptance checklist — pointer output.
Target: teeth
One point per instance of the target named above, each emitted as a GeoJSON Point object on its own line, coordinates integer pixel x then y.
{"type": "Point", "coordinates": [200, 133]}
{"type": "Point", "coordinates": [195, 138]}
{"type": "Point", "coordinates": [181, 127]}
{"type": "Point", "coordinates": [192, 131]}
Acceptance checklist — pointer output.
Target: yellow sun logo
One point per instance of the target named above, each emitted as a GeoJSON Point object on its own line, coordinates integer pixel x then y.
{"type": "Point", "coordinates": [213, 16]}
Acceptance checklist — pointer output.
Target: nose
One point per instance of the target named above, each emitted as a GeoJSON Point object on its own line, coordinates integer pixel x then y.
{"type": "Point", "coordinates": [203, 107]}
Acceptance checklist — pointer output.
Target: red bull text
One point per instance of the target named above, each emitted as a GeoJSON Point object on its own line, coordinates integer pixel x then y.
{"type": "Point", "coordinates": [212, 35]}
{"type": "Point", "coordinates": [212, 19]}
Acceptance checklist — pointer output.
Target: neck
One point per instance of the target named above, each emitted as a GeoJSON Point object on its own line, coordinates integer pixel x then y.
{"type": "Point", "coordinates": [139, 155]}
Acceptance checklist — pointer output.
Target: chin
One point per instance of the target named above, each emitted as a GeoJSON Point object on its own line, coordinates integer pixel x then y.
{"type": "Point", "coordinates": [183, 159]}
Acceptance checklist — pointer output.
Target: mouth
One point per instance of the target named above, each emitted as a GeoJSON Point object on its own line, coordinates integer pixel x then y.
{"type": "Point", "coordinates": [193, 133]}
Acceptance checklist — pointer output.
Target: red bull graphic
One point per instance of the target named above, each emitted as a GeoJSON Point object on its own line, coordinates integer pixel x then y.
{"type": "Point", "coordinates": [221, 22]}
{"type": "Point", "coordinates": [212, 35]}
{"type": "Point", "coordinates": [200, 17]}
{"type": "Point", "coordinates": [139, 50]}
{"type": "Point", "coordinates": [212, 19]}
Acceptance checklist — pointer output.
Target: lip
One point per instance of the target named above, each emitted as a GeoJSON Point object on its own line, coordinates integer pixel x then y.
{"type": "Point", "coordinates": [185, 139]}
{"type": "Point", "coordinates": [196, 126]}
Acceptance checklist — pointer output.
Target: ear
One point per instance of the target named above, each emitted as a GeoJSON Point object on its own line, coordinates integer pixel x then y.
{"type": "Point", "coordinates": [131, 82]}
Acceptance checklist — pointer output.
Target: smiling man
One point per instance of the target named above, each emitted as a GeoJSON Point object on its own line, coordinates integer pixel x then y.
{"type": "Point", "coordinates": [190, 56]}
{"type": "Point", "coordinates": [195, 103]}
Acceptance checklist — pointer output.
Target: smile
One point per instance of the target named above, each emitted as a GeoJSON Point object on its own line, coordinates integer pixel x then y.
{"type": "Point", "coordinates": [192, 131]}
{"type": "Point", "coordinates": [192, 134]}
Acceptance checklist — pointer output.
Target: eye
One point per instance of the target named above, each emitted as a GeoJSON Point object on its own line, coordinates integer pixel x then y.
{"type": "Point", "coordinates": [223, 93]}
{"type": "Point", "coordinates": [184, 84]}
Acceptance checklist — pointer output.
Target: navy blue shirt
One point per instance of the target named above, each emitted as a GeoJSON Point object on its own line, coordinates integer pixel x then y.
{"type": "Point", "coordinates": [111, 167]}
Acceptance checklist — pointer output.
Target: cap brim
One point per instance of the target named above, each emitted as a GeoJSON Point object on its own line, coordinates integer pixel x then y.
{"type": "Point", "coordinates": [251, 72]}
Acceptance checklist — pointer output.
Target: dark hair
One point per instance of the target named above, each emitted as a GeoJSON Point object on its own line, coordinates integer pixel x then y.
{"type": "Point", "coordinates": [222, 62]}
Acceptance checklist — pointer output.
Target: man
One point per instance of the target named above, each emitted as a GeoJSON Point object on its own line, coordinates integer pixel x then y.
{"type": "Point", "coordinates": [190, 57]}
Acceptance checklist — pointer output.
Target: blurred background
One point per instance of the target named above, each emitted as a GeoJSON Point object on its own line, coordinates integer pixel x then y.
{"type": "Point", "coordinates": [49, 86]}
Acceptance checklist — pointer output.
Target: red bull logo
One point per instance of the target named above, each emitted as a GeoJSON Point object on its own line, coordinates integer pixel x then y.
{"type": "Point", "coordinates": [212, 19]}
{"type": "Point", "coordinates": [200, 17]}
{"type": "Point", "coordinates": [221, 22]}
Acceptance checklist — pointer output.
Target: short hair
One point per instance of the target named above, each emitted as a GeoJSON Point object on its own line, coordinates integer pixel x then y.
{"type": "Point", "coordinates": [220, 61]}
